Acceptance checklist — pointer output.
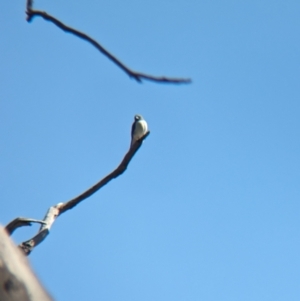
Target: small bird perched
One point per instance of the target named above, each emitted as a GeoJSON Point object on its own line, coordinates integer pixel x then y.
{"type": "Point", "coordinates": [139, 128]}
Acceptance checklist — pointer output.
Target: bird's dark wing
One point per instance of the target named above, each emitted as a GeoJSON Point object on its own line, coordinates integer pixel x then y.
{"type": "Point", "coordinates": [132, 129]}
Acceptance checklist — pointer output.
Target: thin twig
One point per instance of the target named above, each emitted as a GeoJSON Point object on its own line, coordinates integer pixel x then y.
{"type": "Point", "coordinates": [138, 76]}
{"type": "Point", "coordinates": [20, 222]}
{"type": "Point", "coordinates": [117, 172]}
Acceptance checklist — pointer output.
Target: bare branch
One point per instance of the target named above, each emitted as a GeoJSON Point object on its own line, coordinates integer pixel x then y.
{"type": "Point", "coordinates": [117, 172]}
{"type": "Point", "coordinates": [29, 4]}
{"type": "Point", "coordinates": [138, 76]}
{"type": "Point", "coordinates": [20, 222]}
{"type": "Point", "coordinates": [49, 219]}
{"type": "Point", "coordinates": [54, 211]}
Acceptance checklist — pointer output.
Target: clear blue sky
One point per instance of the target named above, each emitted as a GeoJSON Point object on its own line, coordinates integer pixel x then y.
{"type": "Point", "coordinates": [209, 207]}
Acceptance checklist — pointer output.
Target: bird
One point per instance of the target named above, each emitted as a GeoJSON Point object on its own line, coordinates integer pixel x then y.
{"type": "Point", "coordinates": [139, 128]}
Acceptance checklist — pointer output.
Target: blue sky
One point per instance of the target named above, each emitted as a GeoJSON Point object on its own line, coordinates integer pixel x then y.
{"type": "Point", "coordinates": [209, 207]}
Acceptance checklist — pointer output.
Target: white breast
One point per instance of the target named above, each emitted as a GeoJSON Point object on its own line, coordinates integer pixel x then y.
{"type": "Point", "coordinates": [141, 129]}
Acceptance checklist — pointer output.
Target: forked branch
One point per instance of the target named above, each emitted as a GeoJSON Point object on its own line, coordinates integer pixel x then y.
{"type": "Point", "coordinates": [54, 211]}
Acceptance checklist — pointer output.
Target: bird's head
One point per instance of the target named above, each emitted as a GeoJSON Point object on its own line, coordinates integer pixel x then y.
{"type": "Point", "coordinates": [138, 117]}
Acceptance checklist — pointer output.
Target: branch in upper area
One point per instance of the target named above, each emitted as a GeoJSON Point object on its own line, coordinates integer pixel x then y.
{"type": "Point", "coordinates": [54, 211]}
{"type": "Point", "coordinates": [138, 76]}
